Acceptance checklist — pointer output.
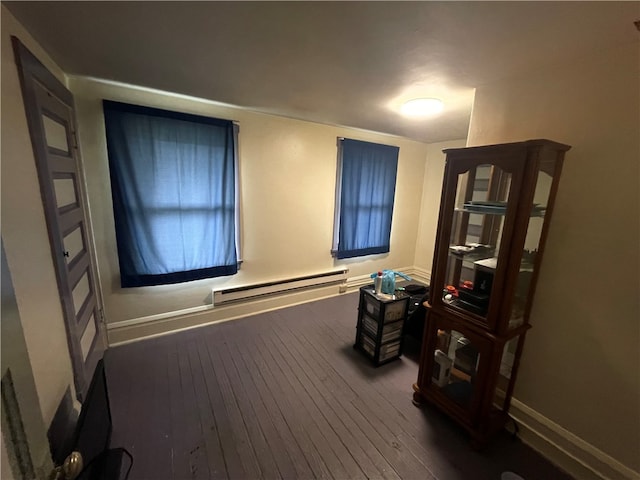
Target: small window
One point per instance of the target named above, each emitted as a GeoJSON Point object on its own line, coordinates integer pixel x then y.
{"type": "Point", "coordinates": [174, 191]}
{"type": "Point", "coordinates": [365, 191]}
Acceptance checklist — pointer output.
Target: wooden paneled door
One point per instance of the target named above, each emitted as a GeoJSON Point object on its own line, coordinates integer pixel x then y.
{"type": "Point", "coordinates": [51, 119]}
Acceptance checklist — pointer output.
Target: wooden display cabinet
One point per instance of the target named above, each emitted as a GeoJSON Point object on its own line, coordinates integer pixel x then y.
{"type": "Point", "coordinates": [495, 209]}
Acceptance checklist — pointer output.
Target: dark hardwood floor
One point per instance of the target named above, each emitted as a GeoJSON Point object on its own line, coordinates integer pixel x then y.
{"type": "Point", "coordinates": [284, 395]}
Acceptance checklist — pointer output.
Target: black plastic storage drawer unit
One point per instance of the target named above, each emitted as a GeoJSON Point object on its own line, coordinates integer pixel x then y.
{"type": "Point", "coordinates": [380, 324]}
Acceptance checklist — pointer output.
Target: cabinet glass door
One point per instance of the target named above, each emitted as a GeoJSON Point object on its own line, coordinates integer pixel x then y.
{"type": "Point", "coordinates": [476, 238]}
{"type": "Point", "coordinates": [455, 366]}
{"type": "Point", "coordinates": [535, 226]}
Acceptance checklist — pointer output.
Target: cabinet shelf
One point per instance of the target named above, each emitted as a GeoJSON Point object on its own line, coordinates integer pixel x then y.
{"type": "Point", "coordinates": [474, 251]}
{"type": "Point", "coordinates": [536, 211]}
{"type": "Point", "coordinates": [492, 228]}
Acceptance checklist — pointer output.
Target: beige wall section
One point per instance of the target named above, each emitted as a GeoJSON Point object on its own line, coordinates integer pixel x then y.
{"type": "Point", "coordinates": [24, 233]}
{"type": "Point", "coordinates": [5, 467]}
{"type": "Point", "coordinates": [288, 171]}
{"type": "Point", "coordinates": [430, 205]}
{"type": "Point", "coordinates": [580, 363]}
{"type": "Point", "coordinates": [14, 358]}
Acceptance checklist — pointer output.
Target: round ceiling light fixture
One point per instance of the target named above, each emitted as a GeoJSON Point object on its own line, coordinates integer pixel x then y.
{"type": "Point", "coordinates": [422, 107]}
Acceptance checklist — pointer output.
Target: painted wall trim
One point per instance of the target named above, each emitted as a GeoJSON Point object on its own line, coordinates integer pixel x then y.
{"type": "Point", "coordinates": [135, 329]}
{"type": "Point", "coordinates": [160, 316]}
{"type": "Point", "coordinates": [278, 287]}
{"type": "Point", "coordinates": [417, 274]}
{"type": "Point", "coordinates": [421, 275]}
{"type": "Point", "coordinates": [565, 449]}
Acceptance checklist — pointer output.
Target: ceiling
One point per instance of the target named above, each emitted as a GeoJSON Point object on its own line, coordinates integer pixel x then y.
{"type": "Point", "coordinates": [340, 63]}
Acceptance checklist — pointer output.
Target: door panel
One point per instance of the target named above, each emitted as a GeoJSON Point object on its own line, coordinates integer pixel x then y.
{"type": "Point", "coordinates": [51, 119]}
{"type": "Point", "coordinates": [88, 337]}
{"type": "Point", "coordinates": [64, 189]}
{"type": "Point", "coordinates": [73, 244]}
{"type": "Point", "coordinates": [55, 133]}
{"type": "Point", "coordinates": [81, 292]}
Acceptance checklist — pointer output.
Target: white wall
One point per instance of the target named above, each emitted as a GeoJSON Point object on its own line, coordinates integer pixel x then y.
{"type": "Point", "coordinates": [24, 233]}
{"type": "Point", "coordinates": [430, 205]}
{"type": "Point", "coordinates": [288, 172]}
{"type": "Point", "coordinates": [581, 360]}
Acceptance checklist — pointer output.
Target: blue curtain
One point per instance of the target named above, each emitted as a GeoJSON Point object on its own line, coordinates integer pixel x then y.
{"type": "Point", "coordinates": [173, 190]}
{"type": "Point", "coordinates": [366, 198]}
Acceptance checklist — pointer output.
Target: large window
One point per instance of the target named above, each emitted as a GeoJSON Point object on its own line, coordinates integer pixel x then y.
{"type": "Point", "coordinates": [366, 186]}
{"type": "Point", "coordinates": [174, 186]}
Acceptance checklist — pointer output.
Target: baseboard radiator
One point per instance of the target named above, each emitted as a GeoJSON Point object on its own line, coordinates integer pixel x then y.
{"type": "Point", "coordinates": [236, 294]}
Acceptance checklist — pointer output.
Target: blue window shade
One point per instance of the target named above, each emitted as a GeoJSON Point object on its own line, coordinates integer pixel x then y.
{"type": "Point", "coordinates": [173, 189]}
{"type": "Point", "coordinates": [367, 189]}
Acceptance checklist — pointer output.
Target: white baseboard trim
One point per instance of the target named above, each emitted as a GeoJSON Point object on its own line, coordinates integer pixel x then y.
{"type": "Point", "coordinates": [565, 449]}
{"type": "Point", "coordinates": [354, 283]}
{"type": "Point", "coordinates": [136, 329]}
{"type": "Point", "coordinates": [141, 328]}
{"type": "Point", "coordinates": [421, 275]}
{"type": "Point", "coordinates": [161, 316]}
{"type": "Point", "coordinates": [415, 273]}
